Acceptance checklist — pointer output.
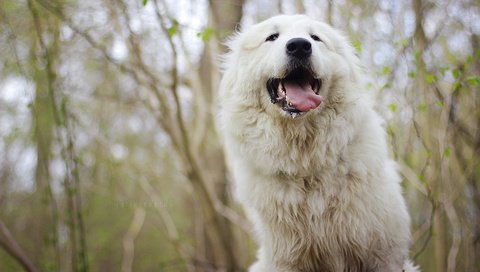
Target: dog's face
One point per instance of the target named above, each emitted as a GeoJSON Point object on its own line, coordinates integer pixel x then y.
{"type": "Point", "coordinates": [291, 63]}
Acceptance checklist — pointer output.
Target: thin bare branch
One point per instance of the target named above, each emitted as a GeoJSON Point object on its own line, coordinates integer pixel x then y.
{"type": "Point", "coordinates": [129, 239]}
{"type": "Point", "coordinates": [456, 239]}
{"type": "Point", "coordinates": [430, 229]}
{"type": "Point", "coordinates": [10, 245]}
{"type": "Point", "coordinates": [172, 232]}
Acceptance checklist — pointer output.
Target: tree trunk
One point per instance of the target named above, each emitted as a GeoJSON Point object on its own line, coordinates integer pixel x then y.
{"type": "Point", "coordinates": [434, 178]}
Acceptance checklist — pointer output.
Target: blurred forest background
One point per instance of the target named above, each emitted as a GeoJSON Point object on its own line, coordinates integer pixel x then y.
{"type": "Point", "coordinates": [109, 156]}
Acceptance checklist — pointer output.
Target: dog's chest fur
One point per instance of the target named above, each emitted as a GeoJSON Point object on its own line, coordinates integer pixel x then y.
{"type": "Point", "coordinates": [312, 225]}
{"type": "Point", "coordinates": [307, 199]}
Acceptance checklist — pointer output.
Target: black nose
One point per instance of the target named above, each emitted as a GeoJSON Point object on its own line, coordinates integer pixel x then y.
{"type": "Point", "coordinates": [299, 47]}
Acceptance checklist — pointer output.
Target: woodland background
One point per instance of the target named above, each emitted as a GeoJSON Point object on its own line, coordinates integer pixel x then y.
{"type": "Point", "coordinates": [109, 156]}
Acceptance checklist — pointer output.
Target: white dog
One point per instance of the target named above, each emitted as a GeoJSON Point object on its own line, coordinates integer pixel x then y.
{"type": "Point", "coordinates": [308, 152]}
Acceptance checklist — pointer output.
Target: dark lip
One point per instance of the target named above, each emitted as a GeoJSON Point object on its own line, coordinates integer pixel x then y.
{"type": "Point", "coordinates": [295, 73]}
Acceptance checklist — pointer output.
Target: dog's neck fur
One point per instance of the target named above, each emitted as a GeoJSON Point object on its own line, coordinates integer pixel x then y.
{"type": "Point", "coordinates": [307, 138]}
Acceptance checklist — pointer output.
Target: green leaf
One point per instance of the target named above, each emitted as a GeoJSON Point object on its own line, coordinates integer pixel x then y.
{"type": "Point", "coordinates": [173, 29]}
{"type": "Point", "coordinates": [429, 78]}
{"type": "Point", "coordinates": [386, 70]}
{"type": "Point", "coordinates": [422, 107]}
{"type": "Point", "coordinates": [145, 2]}
{"type": "Point", "coordinates": [473, 80]}
{"type": "Point", "coordinates": [447, 152]}
{"type": "Point", "coordinates": [440, 104]}
{"type": "Point", "coordinates": [393, 107]}
{"type": "Point", "coordinates": [421, 177]}
{"type": "Point", "coordinates": [412, 74]}
{"type": "Point", "coordinates": [358, 46]}
{"type": "Point", "coordinates": [469, 59]}
{"type": "Point", "coordinates": [456, 73]}
{"type": "Point", "coordinates": [457, 85]}
{"type": "Point", "coordinates": [205, 34]}
{"type": "Point", "coordinates": [404, 42]}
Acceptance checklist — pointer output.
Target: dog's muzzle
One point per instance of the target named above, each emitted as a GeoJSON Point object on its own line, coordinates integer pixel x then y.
{"type": "Point", "coordinates": [299, 90]}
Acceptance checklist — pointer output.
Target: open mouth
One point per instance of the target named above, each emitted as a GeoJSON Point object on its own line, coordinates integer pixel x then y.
{"type": "Point", "coordinates": [297, 93]}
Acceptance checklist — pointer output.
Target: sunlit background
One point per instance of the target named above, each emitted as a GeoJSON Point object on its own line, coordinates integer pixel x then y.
{"type": "Point", "coordinates": [109, 155]}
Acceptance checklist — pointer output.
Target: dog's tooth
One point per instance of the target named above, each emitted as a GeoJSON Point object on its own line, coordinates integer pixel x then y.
{"type": "Point", "coordinates": [288, 101]}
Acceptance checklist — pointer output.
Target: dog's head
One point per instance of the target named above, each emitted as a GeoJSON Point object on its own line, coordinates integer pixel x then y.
{"type": "Point", "coordinates": [289, 64]}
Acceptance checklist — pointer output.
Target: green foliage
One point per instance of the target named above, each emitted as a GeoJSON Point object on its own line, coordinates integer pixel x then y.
{"type": "Point", "coordinates": [469, 59]}
{"type": "Point", "coordinates": [429, 78]}
{"type": "Point", "coordinates": [11, 6]}
{"type": "Point", "coordinates": [172, 30]}
{"type": "Point", "coordinates": [145, 2]}
{"type": "Point", "coordinates": [443, 70]}
{"type": "Point", "coordinates": [457, 85]}
{"type": "Point", "coordinates": [386, 70]}
{"type": "Point", "coordinates": [392, 107]}
{"type": "Point", "coordinates": [474, 81]}
{"type": "Point", "coordinates": [456, 73]}
{"type": "Point", "coordinates": [206, 34]}
{"type": "Point", "coordinates": [357, 45]}
{"type": "Point", "coordinates": [421, 178]}
{"type": "Point", "coordinates": [422, 107]}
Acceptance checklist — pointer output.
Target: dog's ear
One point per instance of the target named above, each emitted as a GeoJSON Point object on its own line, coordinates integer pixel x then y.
{"type": "Point", "coordinates": [250, 41]}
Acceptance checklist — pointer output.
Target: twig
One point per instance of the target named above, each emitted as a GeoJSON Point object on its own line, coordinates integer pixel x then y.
{"type": "Point", "coordinates": [10, 245]}
{"type": "Point", "coordinates": [410, 175]}
{"type": "Point", "coordinates": [456, 239]}
{"type": "Point", "coordinates": [198, 89]}
{"type": "Point", "coordinates": [234, 217]}
{"type": "Point", "coordinates": [129, 239]}
{"type": "Point", "coordinates": [96, 45]}
{"type": "Point", "coordinates": [430, 230]}
{"type": "Point", "coordinates": [194, 173]}
{"type": "Point", "coordinates": [172, 232]}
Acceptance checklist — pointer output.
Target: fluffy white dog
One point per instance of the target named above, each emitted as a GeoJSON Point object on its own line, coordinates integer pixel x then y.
{"type": "Point", "coordinates": [308, 152]}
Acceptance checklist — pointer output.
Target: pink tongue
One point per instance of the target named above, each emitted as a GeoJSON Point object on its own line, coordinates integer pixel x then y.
{"type": "Point", "coordinates": [303, 98]}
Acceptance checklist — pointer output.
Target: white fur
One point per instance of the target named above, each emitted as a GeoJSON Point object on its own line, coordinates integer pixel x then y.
{"type": "Point", "coordinates": [320, 189]}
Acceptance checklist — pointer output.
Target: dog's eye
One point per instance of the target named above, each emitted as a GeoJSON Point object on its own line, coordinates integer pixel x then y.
{"type": "Point", "coordinates": [315, 38]}
{"type": "Point", "coordinates": [272, 37]}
